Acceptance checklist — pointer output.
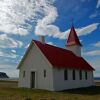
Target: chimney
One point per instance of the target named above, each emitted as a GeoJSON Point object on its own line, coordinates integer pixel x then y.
{"type": "Point", "coordinates": [42, 39]}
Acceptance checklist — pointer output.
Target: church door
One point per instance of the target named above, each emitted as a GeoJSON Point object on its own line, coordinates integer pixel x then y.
{"type": "Point", "coordinates": [32, 79]}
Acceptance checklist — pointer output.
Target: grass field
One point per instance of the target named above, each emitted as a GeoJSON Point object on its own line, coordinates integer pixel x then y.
{"type": "Point", "coordinates": [9, 91]}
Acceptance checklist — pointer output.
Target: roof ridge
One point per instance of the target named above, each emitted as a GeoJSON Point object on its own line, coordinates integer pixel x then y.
{"type": "Point", "coordinates": [58, 48]}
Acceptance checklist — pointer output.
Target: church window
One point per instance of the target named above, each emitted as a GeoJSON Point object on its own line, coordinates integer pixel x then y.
{"type": "Point", "coordinates": [23, 73]}
{"type": "Point", "coordinates": [86, 75]}
{"type": "Point", "coordinates": [65, 74]}
{"type": "Point", "coordinates": [74, 75]}
{"type": "Point", "coordinates": [44, 73]}
{"type": "Point", "coordinates": [80, 75]}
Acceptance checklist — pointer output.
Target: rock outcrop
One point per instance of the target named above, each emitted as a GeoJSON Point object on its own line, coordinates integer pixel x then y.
{"type": "Point", "coordinates": [3, 75]}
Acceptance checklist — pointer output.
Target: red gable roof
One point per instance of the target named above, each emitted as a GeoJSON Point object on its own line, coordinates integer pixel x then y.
{"type": "Point", "coordinates": [62, 58]}
{"type": "Point", "coordinates": [73, 38]}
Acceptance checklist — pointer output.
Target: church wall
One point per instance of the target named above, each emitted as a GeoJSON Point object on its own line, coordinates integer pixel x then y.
{"type": "Point", "coordinates": [75, 49]}
{"type": "Point", "coordinates": [35, 61]}
{"type": "Point", "coordinates": [61, 84]}
{"type": "Point", "coordinates": [54, 80]}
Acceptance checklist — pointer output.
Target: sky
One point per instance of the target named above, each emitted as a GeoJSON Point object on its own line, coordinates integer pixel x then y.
{"type": "Point", "coordinates": [24, 20]}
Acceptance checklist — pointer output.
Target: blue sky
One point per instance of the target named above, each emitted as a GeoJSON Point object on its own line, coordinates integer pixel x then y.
{"type": "Point", "coordinates": [24, 20]}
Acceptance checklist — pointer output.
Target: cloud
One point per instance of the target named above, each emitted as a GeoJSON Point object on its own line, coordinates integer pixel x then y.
{"type": "Point", "coordinates": [98, 4]}
{"type": "Point", "coordinates": [27, 46]}
{"type": "Point", "coordinates": [13, 51]}
{"type": "Point", "coordinates": [9, 69]}
{"type": "Point", "coordinates": [6, 66]}
{"type": "Point", "coordinates": [16, 16]}
{"type": "Point", "coordinates": [43, 25]}
{"type": "Point", "coordinates": [8, 42]}
{"type": "Point", "coordinates": [13, 73]}
{"type": "Point", "coordinates": [92, 53]}
{"type": "Point", "coordinates": [97, 44]}
{"type": "Point", "coordinates": [52, 30]}
{"type": "Point", "coordinates": [96, 65]}
{"type": "Point", "coordinates": [87, 29]}
{"type": "Point", "coordinates": [51, 43]}
{"type": "Point", "coordinates": [95, 14]}
{"type": "Point", "coordinates": [7, 54]}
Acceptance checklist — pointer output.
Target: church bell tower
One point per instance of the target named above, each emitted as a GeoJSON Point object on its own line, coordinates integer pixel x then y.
{"type": "Point", "coordinates": [73, 44]}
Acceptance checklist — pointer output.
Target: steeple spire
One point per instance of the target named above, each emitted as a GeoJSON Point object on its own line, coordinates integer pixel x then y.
{"type": "Point", "coordinates": [73, 38]}
{"type": "Point", "coordinates": [73, 44]}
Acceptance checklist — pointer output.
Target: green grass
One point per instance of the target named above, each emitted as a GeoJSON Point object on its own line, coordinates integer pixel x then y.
{"type": "Point", "coordinates": [9, 91]}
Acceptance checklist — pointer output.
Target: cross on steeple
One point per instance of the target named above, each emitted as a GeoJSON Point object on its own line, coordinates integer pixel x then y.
{"type": "Point", "coordinates": [73, 38]}
{"type": "Point", "coordinates": [72, 22]}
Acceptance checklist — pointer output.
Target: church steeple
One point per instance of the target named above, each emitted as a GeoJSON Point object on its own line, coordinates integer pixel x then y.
{"type": "Point", "coordinates": [73, 38]}
{"type": "Point", "coordinates": [73, 44]}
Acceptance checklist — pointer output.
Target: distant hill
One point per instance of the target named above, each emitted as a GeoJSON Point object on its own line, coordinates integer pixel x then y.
{"type": "Point", "coordinates": [3, 75]}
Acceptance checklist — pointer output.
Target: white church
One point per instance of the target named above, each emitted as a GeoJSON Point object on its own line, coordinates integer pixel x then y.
{"type": "Point", "coordinates": [53, 68]}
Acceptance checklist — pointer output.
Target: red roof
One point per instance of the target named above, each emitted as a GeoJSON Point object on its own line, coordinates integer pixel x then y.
{"type": "Point", "coordinates": [73, 38]}
{"type": "Point", "coordinates": [62, 58]}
